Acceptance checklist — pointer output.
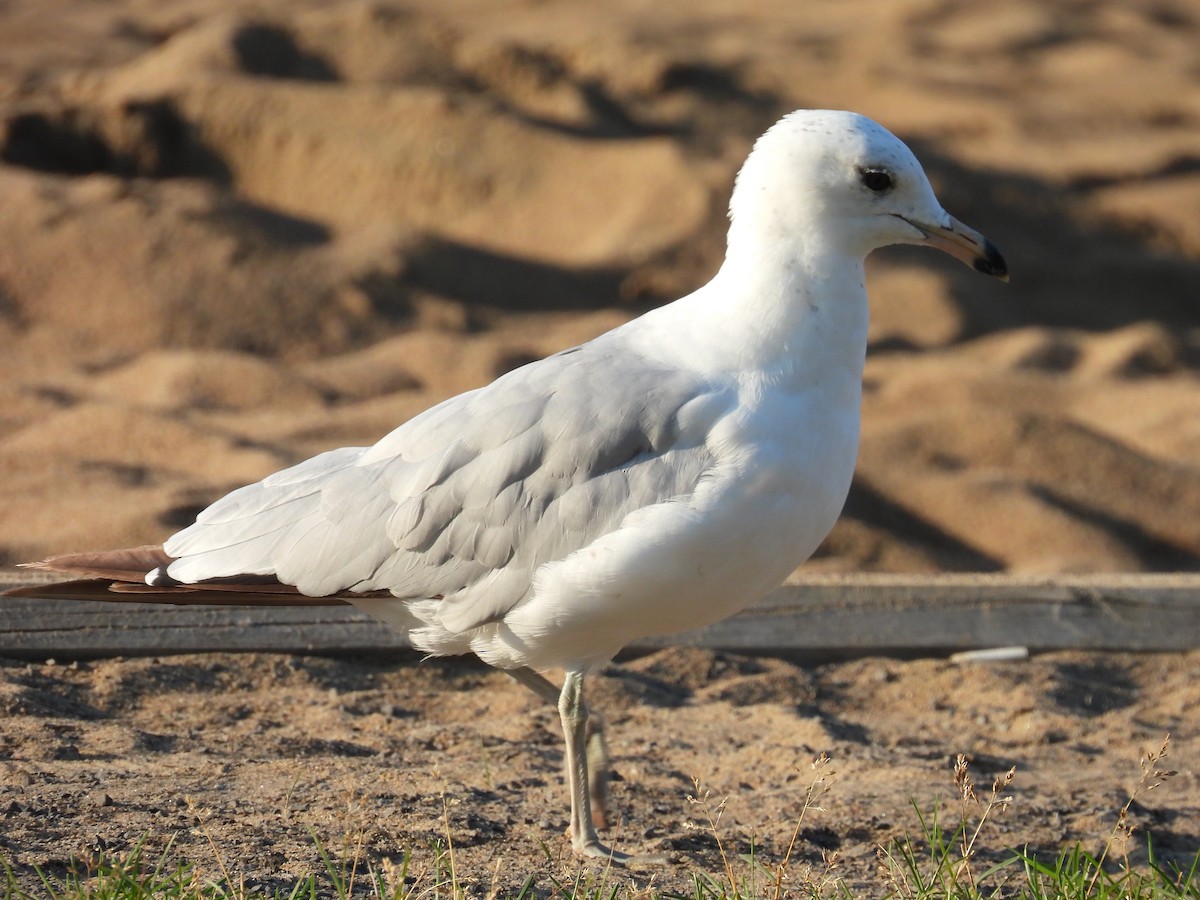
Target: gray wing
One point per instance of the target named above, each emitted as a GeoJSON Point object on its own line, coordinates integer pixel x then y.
{"type": "Point", "coordinates": [465, 501]}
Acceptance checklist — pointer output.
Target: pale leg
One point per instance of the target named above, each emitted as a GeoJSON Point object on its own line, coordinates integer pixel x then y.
{"type": "Point", "coordinates": [597, 748]}
{"type": "Point", "coordinates": [584, 839]}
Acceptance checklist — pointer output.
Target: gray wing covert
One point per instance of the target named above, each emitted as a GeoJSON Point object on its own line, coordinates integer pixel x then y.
{"type": "Point", "coordinates": [466, 500]}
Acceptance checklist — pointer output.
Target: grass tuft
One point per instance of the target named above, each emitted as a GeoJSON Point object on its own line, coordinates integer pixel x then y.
{"type": "Point", "coordinates": [943, 864]}
{"type": "Point", "coordinates": [759, 879]}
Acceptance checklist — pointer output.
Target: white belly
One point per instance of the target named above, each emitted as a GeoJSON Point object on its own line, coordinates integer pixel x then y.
{"type": "Point", "coordinates": [684, 564]}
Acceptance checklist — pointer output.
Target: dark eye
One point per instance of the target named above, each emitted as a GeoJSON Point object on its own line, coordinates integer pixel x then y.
{"type": "Point", "coordinates": [877, 180]}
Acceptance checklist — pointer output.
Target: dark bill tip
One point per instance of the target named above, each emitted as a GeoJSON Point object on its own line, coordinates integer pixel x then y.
{"type": "Point", "coordinates": [992, 262]}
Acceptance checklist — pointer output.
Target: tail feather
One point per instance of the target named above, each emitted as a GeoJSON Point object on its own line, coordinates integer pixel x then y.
{"type": "Point", "coordinates": [120, 576]}
{"type": "Point", "coordinates": [129, 564]}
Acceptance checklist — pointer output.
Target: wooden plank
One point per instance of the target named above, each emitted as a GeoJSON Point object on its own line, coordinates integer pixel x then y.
{"type": "Point", "coordinates": [813, 617]}
{"type": "Point", "coordinates": [32, 628]}
{"type": "Point", "coordinates": [943, 614]}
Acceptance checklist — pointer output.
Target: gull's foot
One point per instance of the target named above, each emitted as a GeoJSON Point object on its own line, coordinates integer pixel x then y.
{"type": "Point", "coordinates": [596, 850]}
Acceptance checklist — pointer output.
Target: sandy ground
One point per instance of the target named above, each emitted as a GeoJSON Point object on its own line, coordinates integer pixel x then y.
{"type": "Point", "coordinates": [260, 754]}
{"type": "Point", "coordinates": [234, 234]}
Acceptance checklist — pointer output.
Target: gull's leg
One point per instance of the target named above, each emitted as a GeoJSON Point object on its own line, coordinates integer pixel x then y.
{"type": "Point", "coordinates": [584, 839]}
{"type": "Point", "coordinates": [573, 712]}
{"type": "Point", "coordinates": [598, 769]}
{"type": "Point", "coordinates": [539, 684]}
{"type": "Point", "coordinates": [597, 748]}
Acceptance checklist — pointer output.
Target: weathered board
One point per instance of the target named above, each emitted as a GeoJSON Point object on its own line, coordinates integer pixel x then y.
{"type": "Point", "coordinates": [813, 617]}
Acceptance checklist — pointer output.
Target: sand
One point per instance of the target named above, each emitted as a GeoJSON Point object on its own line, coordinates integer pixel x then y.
{"type": "Point", "coordinates": [235, 234]}
{"type": "Point", "coordinates": [251, 764]}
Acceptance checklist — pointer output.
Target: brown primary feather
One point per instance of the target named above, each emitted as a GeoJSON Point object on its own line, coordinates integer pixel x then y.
{"type": "Point", "coordinates": [187, 595]}
{"type": "Point", "coordinates": [128, 564]}
{"type": "Point", "coordinates": [119, 576]}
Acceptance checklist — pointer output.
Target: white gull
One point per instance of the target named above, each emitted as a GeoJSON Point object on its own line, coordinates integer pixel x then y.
{"type": "Point", "coordinates": [656, 479]}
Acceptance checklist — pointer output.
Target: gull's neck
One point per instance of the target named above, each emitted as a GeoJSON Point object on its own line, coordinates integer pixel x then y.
{"type": "Point", "coordinates": [791, 310]}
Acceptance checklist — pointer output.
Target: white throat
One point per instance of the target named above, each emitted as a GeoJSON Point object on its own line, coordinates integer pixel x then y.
{"type": "Point", "coordinates": [792, 311]}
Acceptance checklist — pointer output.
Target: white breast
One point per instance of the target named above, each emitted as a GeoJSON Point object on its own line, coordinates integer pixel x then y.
{"type": "Point", "coordinates": [783, 477]}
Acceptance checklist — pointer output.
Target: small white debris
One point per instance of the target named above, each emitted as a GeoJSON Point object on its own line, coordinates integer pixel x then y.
{"type": "Point", "coordinates": [991, 654]}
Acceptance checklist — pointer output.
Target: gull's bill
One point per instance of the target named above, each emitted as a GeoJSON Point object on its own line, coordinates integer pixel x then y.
{"type": "Point", "coordinates": [964, 243]}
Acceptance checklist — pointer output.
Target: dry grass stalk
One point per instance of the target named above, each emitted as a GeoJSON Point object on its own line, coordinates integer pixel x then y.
{"type": "Point", "coordinates": [815, 881]}
{"type": "Point", "coordinates": [1122, 831]}
{"type": "Point", "coordinates": [818, 787]}
{"type": "Point", "coordinates": [967, 798]}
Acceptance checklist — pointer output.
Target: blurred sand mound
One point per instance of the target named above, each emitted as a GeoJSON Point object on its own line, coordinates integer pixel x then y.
{"type": "Point", "coordinates": [231, 238]}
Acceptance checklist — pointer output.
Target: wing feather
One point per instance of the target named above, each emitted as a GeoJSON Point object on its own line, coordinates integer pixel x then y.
{"type": "Point", "coordinates": [465, 501]}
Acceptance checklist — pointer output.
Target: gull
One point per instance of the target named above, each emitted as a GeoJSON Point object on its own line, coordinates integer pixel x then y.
{"type": "Point", "coordinates": [654, 480]}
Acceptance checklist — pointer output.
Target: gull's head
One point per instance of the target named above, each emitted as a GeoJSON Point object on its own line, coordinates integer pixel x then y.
{"type": "Point", "coordinates": [840, 182]}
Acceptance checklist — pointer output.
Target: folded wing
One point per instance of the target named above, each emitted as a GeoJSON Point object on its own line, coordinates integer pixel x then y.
{"type": "Point", "coordinates": [464, 502]}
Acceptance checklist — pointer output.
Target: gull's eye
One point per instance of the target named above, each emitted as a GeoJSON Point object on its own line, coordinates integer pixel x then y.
{"type": "Point", "coordinates": [877, 180]}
